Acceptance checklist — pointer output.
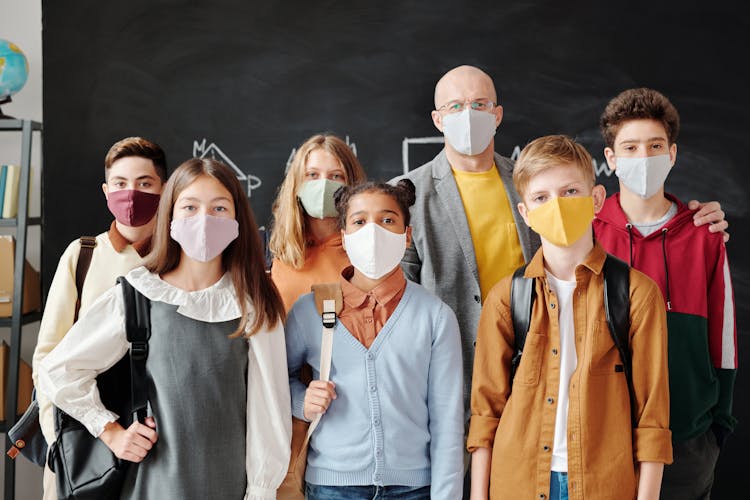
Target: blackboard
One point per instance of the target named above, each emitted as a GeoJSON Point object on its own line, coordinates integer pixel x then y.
{"type": "Point", "coordinates": [254, 79]}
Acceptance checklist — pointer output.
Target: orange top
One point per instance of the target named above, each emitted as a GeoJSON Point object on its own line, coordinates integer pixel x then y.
{"type": "Point", "coordinates": [324, 262]}
{"type": "Point", "coordinates": [365, 313]}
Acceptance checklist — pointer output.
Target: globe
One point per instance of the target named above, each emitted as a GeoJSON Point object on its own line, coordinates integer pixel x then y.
{"type": "Point", "coordinates": [14, 70]}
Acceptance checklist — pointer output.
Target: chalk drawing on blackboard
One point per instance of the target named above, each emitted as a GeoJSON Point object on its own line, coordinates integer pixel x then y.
{"type": "Point", "coordinates": [201, 150]}
{"type": "Point", "coordinates": [416, 140]}
{"type": "Point", "coordinates": [351, 145]}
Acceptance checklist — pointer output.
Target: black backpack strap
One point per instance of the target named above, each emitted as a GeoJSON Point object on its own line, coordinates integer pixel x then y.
{"type": "Point", "coordinates": [617, 311]}
{"type": "Point", "coordinates": [521, 302]}
{"type": "Point", "coordinates": [88, 243]}
{"type": "Point", "coordinates": [138, 328]}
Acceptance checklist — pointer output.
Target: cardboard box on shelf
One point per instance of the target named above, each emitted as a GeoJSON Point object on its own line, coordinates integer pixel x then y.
{"type": "Point", "coordinates": [25, 384]}
{"type": "Point", "coordinates": [32, 295]}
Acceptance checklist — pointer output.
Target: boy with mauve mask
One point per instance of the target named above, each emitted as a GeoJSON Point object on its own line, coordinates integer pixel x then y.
{"type": "Point", "coordinates": [135, 170]}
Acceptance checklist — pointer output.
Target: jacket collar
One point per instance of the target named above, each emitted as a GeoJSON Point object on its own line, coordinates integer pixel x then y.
{"type": "Point", "coordinates": [594, 262]}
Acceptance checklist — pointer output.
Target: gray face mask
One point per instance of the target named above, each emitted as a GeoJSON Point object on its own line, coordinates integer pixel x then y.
{"type": "Point", "coordinates": [316, 197]}
{"type": "Point", "coordinates": [643, 176]}
{"type": "Point", "coordinates": [470, 131]}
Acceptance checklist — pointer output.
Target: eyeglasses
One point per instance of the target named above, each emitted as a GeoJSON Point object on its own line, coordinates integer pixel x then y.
{"type": "Point", "coordinates": [475, 104]}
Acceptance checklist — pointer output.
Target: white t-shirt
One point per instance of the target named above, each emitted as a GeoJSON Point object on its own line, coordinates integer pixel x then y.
{"type": "Point", "coordinates": [568, 361]}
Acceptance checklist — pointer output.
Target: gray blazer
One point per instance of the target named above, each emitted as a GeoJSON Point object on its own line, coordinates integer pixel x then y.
{"type": "Point", "coordinates": [442, 257]}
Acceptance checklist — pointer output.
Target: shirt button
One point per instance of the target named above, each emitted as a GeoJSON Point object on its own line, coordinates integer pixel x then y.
{"type": "Point", "coordinates": [369, 355]}
{"type": "Point", "coordinates": [545, 448]}
{"type": "Point", "coordinates": [376, 421]}
{"type": "Point", "coordinates": [368, 320]}
{"type": "Point", "coordinates": [552, 305]}
{"type": "Point", "coordinates": [542, 496]}
{"type": "Point", "coordinates": [378, 452]}
{"type": "Point", "coordinates": [477, 298]}
{"type": "Point", "coordinates": [373, 388]}
{"type": "Point", "coordinates": [554, 352]}
{"type": "Point", "coordinates": [550, 400]}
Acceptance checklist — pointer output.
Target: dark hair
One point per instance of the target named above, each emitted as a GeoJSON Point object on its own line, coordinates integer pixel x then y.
{"type": "Point", "coordinates": [639, 104]}
{"type": "Point", "coordinates": [243, 259]}
{"type": "Point", "coordinates": [137, 146]}
{"type": "Point", "coordinates": [403, 192]}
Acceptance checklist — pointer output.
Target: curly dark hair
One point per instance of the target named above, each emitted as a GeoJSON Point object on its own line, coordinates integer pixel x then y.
{"type": "Point", "coordinates": [639, 104]}
{"type": "Point", "coordinates": [403, 192]}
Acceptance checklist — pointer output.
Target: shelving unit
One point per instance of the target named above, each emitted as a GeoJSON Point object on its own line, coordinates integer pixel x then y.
{"type": "Point", "coordinates": [17, 319]}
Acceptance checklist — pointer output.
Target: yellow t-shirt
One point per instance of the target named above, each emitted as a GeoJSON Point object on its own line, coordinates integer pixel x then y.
{"type": "Point", "coordinates": [493, 230]}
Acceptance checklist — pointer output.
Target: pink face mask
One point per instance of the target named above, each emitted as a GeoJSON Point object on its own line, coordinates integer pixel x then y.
{"type": "Point", "coordinates": [203, 237]}
{"type": "Point", "coordinates": [132, 207]}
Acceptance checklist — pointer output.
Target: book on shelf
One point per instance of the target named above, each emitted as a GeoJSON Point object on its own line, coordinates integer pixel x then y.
{"type": "Point", "coordinates": [10, 201]}
{"type": "Point", "coordinates": [3, 176]}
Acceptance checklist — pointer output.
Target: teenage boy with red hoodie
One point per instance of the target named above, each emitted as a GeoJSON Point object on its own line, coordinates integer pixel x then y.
{"type": "Point", "coordinates": [654, 232]}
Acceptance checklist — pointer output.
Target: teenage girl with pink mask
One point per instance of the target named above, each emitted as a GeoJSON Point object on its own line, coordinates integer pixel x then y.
{"type": "Point", "coordinates": [392, 423]}
{"type": "Point", "coordinates": [216, 362]}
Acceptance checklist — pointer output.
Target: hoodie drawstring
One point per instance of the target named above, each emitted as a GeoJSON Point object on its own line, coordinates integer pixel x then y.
{"type": "Point", "coordinates": [629, 227]}
{"type": "Point", "coordinates": [666, 267]}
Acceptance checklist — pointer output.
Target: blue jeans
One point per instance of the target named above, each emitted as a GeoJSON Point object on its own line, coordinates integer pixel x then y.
{"type": "Point", "coordinates": [319, 492]}
{"type": "Point", "coordinates": [558, 486]}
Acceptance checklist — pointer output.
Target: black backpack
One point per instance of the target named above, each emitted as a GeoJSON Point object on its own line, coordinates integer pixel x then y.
{"type": "Point", "coordinates": [84, 467]}
{"type": "Point", "coordinates": [616, 309]}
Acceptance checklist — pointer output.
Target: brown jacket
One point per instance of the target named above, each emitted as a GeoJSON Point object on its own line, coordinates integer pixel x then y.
{"type": "Point", "coordinates": [603, 449]}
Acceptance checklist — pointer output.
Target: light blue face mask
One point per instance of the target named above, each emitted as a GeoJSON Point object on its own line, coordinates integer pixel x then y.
{"type": "Point", "coordinates": [316, 197]}
{"type": "Point", "coordinates": [643, 176]}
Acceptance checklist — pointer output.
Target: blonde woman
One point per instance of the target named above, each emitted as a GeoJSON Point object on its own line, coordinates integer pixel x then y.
{"type": "Point", "coordinates": [305, 240]}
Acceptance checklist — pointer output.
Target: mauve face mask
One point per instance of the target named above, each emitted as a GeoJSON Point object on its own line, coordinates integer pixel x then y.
{"type": "Point", "coordinates": [204, 237]}
{"type": "Point", "coordinates": [132, 207]}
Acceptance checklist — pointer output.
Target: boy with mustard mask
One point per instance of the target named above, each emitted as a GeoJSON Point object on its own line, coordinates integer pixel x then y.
{"type": "Point", "coordinates": [565, 431]}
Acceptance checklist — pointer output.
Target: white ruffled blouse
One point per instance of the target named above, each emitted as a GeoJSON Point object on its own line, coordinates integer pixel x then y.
{"type": "Point", "coordinates": [98, 340]}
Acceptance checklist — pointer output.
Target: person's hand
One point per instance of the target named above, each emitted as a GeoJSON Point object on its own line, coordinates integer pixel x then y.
{"type": "Point", "coordinates": [712, 214]}
{"type": "Point", "coordinates": [318, 397]}
{"type": "Point", "coordinates": [133, 443]}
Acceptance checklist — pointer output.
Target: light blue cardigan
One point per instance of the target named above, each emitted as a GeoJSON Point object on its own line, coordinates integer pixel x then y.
{"type": "Point", "coordinates": [398, 415]}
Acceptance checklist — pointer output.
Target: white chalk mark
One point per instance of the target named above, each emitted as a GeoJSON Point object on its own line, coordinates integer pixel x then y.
{"type": "Point", "coordinates": [200, 150]}
{"type": "Point", "coordinates": [416, 140]}
{"type": "Point", "coordinates": [352, 146]}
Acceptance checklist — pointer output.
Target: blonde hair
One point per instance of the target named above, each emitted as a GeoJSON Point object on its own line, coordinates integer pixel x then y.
{"type": "Point", "coordinates": [547, 152]}
{"type": "Point", "coordinates": [242, 259]}
{"type": "Point", "coordinates": [287, 242]}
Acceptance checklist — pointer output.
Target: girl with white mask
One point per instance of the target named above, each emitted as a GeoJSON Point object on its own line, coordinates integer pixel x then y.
{"type": "Point", "coordinates": [305, 240]}
{"type": "Point", "coordinates": [217, 387]}
{"type": "Point", "coordinates": [393, 408]}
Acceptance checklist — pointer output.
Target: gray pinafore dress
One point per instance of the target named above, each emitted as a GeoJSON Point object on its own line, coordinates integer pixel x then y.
{"type": "Point", "coordinates": [198, 397]}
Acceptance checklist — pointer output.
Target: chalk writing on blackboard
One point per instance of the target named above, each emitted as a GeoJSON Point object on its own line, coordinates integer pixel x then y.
{"type": "Point", "coordinates": [599, 167]}
{"type": "Point", "coordinates": [201, 150]}
{"type": "Point", "coordinates": [352, 145]}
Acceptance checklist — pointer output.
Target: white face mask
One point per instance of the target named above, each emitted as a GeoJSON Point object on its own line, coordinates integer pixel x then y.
{"type": "Point", "coordinates": [643, 176]}
{"type": "Point", "coordinates": [375, 251]}
{"type": "Point", "coordinates": [470, 131]}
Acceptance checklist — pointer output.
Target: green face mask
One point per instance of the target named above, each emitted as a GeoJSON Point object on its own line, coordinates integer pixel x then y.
{"type": "Point", "coordinates": [316, 197]}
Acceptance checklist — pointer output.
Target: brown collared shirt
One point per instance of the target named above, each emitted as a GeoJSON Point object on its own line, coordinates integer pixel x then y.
{"type": "Point", "coordinates": [603, 445]}
{"type": "Point", "coordinates": [119, 242]}
{"type": "Point", "coordinates": [365, 313]}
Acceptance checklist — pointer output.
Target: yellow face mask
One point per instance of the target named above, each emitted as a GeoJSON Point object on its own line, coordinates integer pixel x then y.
{"type": "Point", "coordinates": [562, 221]}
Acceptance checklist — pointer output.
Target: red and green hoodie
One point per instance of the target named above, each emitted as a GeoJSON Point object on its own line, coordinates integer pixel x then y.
{"type": "Point", "coordinates": [690, 266]}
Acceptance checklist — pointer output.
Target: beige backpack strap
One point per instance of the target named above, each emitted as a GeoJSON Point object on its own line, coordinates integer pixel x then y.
{"type": "Point", "coordinates": [329, 301]}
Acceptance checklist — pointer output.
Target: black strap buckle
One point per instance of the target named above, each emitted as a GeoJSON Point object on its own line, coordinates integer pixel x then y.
{"type": "Point", "coordinates": [329, 319]}
{"type": "Point", "coordinates": [138, 350]}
